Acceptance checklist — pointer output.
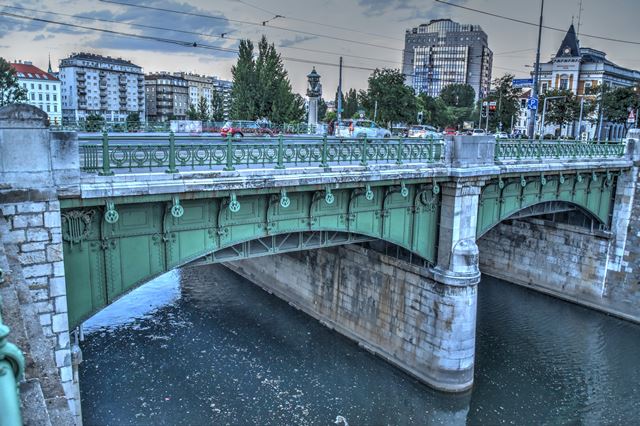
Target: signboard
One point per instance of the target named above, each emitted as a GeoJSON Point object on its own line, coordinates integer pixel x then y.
{"type": "Point", "coordinates": [532, 103]}
{"type": "Point", "coordinates": [186, 126]}
{"type": "Point", "coordinates": [632, 117]}
{"type": "Point", "coordinates": [519, 83]}
{"type": "Point", "coordinates": [467, 125]}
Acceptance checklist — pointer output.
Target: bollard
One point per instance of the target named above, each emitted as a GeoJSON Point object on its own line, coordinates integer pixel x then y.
{"type": "Point", "coordinates": [172, 154]}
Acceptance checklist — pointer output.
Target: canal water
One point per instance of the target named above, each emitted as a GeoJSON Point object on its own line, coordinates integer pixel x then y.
{"type": "Point", "coordinates": [203, 346]}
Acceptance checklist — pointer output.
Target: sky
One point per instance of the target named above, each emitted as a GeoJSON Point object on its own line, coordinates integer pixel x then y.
{"type": "Point", "coordinates": [368, 34]}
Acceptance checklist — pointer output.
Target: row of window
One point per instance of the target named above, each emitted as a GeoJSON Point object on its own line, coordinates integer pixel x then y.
{"type": "Point", "coordinates": [46, 86]}
{"type": "Point", "coordinates": [47, 97]}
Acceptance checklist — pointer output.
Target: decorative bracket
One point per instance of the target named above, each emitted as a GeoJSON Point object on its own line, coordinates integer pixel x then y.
{"type": "Point", "coordinates": [111, 215]}
{"type": "Point", "coordinates": [284, 200]}
{"type": "Point", "coordinates": [368, 194]}
{"type": "Point", "coordinates": [329, 198]}
{"type": "Point", "coordinates": [404, 191]}
{"type": "Point", "coordinates": [176, 209]}
{"type": "Point", "coordinates": [234, 204]}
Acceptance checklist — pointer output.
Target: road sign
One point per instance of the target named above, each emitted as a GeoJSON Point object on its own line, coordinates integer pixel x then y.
{"type": "Point", "coordinates": [518, 83]}
{"type": "Point", "coordinates": [632, 117]}
{"type": "Point", "coordinates": [532, 103]}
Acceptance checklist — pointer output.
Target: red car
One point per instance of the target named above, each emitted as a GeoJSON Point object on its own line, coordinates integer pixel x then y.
{"type": "Point", "coordinates": [450, 131]}
{"type": "Point", "coordinates": [238, 129]}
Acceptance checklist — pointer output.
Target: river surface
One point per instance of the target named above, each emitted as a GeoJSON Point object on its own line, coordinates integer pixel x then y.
{"type": "Point", "coordinates": [203, 346]}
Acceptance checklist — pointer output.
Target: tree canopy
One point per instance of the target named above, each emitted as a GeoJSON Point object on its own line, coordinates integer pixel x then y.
{"type": "Point", "coordinates": [10, 91]}
{"type": "Point", "coordinates": [617, 102]}
{"type": "Point", "coordinates": [396, 101]}
{"type": "Point", "coordinates": [261, 86]}
{"type": "Point", "coordinates": [458, 95]}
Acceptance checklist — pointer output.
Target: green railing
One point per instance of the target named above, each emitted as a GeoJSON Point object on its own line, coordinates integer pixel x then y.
{"type": "Point", "coordinates": [11, 372]}
{"type": "Point", "coordinates": [507, 150]}
{"type": "Point", "coordinates": [173, 153]}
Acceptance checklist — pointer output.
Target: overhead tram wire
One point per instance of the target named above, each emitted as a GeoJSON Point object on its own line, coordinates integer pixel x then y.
{"type": "Point", "coordinates": [191, 44]}
{"type": "Point", "coordinates": [258, 24]}
{"type": "Point", "coordinates": [521, 21]}
{"type": "Point", "coordinates": [308, 21]}
{"type": "Point", "coordinates": [113, 21]}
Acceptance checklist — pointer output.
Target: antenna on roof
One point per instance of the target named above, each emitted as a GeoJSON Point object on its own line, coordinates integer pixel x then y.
{"type": "Point", "coordinates": [579, 19]}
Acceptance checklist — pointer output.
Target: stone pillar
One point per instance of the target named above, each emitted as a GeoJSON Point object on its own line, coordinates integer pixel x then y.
{"type": "Point", "coordinates": [313, 114]}
{"type": "Point", "coordinates": [34, 164]}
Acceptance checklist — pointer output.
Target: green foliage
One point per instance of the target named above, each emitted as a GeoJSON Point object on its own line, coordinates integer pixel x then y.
{"type": "Point", "coordinates": [560, 111]}
{"type": "Point", "coordinates": [330, 115]}
{"type": "Point", "coordinates": [396, 101]}
{"type": "Point", "coordinates": [203, 109]}
{"type": "Point", "coordinates": [507, 99]}
{"type": "Point", "coordinates": [322, 109]}
{"type": "Point", "coordinates": [94, 123]}
{"type": "Point", "coordinates": [261, 87]}
{"type": "Point", "coordinates": [350, 105]}
{"type": "Point", "coordinates": [616, 104]}
{"type": "Point", "coordinates": [217, 106]}
{"type": "Point", "coordinates": [133, 121]}
{"type": "Point", "coordinates": [192, 113]}
{"type": "Point", "coordinates": [10, 91]}
{"type": "Point", "coordinates": [458, 95]}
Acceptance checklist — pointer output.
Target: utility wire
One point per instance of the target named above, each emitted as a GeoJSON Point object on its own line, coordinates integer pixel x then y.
{"type": "Point", "coordinates": [258, 24]}
{"type": "Point", "coordinates": [191, 44]}
{"type": "Point", "coordinates": [520, 21]}
{"type": "Point", "coordinates": [308, 21]}
{"type": "Point", "coordinates": [112, 21]}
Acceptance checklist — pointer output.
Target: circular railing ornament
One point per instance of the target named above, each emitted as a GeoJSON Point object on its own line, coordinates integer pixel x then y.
{"type": "Point", "coordinates": [111, 215]}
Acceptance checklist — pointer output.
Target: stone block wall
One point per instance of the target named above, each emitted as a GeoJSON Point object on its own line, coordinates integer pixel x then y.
{"type": "Point", "coordinates": [388, 306]}
{"type": "Point", "coordinates": [33, 234]}
{"type": "Point", "coordinates": [566, 261]}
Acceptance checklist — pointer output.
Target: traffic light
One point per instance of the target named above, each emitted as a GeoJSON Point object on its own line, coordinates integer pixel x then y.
{"type": "Point", "coordinates": [420, 117]}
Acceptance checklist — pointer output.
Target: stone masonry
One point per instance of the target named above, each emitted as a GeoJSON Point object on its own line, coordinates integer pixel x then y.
{"type": "Point", "coordinates": [34, 165]}
{"type": "Point", "coordinates": [390, 307]}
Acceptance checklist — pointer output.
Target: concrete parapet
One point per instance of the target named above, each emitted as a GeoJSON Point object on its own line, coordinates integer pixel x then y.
{"type": "Point", "coordinates": [472, 151]}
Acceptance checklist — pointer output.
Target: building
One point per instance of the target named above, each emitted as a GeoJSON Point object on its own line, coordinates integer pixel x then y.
{"type": "Point", "coordinates": [444, 52]}
{"type": "Point", "coordinates": [43, 89]}
{"type": "Point", "coordinates": [167, 97]}
{"type": "Point", "coordinates": [224, 88]}
{"type": "Point", "coordinates": [199, 86]}
{"type": "Point", "coordinates": [580, 70]}
{"type": "Point", "coordinates": [94, 84]}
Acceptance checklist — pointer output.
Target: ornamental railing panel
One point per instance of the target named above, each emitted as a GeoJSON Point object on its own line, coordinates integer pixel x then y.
{"type": "Point", "coordinates": [524, 150]}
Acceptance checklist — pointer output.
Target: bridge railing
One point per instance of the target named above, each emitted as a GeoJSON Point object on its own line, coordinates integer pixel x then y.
{"type": "Point", "coordinates": [522, 149]}
{"type": "Point", "coordinates": [11, 371]}
{"type": "Point", "coordinates": [173, 153]}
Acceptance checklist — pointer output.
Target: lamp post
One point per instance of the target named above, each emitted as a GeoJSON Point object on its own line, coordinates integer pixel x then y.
{"type": "Point", "coordinates": [314, 91]}
{"type": "Point", "coordinates": [536, 76]}
{"type": "Point", "coordinates": [544, 110]}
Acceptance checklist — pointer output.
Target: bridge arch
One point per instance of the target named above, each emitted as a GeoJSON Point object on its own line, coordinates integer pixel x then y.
{"type": "Point", "coordinates": [505, 198]}
{"type": "Point", "coordinates": [111, 250]}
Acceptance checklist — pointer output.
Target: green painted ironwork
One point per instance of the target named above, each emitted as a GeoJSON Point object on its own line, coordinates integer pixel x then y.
{"type": "Point", "coordinates": [105, 258]}
{"type": "Point", "coordinates": [122, 154]}
{"type": "Point", "coordinates": [506, 150]}
{"type": "Point", "coordinates": [11, 372]}
{"type": "Point", "coordinates": [503, 197]}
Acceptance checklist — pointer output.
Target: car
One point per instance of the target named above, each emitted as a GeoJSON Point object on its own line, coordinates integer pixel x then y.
{"type": "Point", "coordinates": [479, 132]}
{"type": "Point", "coordinates": [449, 131]}
{"type": "Point", "coordinates": [424, 132]}
{"type": "Point", "coordinates": [241, 128]}
{"type": "Point", "coordinates": [361, 129]}
{"type": "Point", "coordinates": [502, 135]}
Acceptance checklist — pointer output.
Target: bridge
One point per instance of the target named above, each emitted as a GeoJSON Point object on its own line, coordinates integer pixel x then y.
{"type": "Point", "coordinates": [400, 230]}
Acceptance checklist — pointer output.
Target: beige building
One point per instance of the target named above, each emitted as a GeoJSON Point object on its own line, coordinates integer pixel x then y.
{"type": "Point", "coordinates": [167, 97]}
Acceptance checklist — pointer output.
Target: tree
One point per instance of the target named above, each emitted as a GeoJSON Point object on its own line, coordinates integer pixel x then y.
{"type": "Point", "coordinates": [244, 84]}
{"type": "Point", "coordinates": [192, 113]}
{"type": "Point", "coordinates": [322, 109]}
{"type": "Point", "coordinates": [203, 109]}
{"type": "Point", "coordinates": [616, 104]}
{"type": "Point", "coordinates": [507, 99]}
{"type": "Point", "coordinates": [350, 105]}
{"type": "Point", "coordinates": [458, 95]}
{"type": "Point", "coordinates": [133, 121]}
{"type": "Point", "coordinates": [94, 123]}
{"type": "Point", "coordinates": [217, 106]}
{"type": "Point", "coordinates": [559, 111]}
{"type": "Point", "coordinates": [434, 111]}
{"type": "Point", "coordinates": [396, 101]}
{"type": "Point", "coordinates": [10, 91]}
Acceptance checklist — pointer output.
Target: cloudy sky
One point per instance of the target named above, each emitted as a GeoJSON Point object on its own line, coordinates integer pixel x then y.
{"type": "Point", "coordinates": [368, 33]}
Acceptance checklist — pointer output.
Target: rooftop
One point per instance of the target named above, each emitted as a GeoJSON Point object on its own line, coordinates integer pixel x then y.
{"type": "Point", "coordinates": [25, 70]}
{"type": "Point", "coordinates": [99, 58]}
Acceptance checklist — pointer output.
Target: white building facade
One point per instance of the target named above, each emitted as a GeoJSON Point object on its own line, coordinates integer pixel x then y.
{"type": "Point", "coordinates": [43, 89]}
{"type": "Point", "coordinates": [94, 84]}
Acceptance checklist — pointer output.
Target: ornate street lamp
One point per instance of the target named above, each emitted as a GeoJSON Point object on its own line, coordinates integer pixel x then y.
{"type": "Point", "coordinates": [314, 91]}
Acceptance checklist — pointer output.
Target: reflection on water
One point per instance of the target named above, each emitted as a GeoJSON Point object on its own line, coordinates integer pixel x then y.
{"type": "Point", "coordinates": [204, 346]}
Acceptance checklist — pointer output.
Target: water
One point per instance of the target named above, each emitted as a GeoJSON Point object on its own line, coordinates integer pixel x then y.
{"type": "Point", "coordinates": [203, 346]}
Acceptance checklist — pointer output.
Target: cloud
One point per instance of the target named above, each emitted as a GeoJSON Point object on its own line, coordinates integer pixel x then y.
{"type": "Point", "coordinates": [379, 7]}
{"type": "Point", "coordinates": [296, 40]}
{"type": "Point", "coordinates": [41, 37]}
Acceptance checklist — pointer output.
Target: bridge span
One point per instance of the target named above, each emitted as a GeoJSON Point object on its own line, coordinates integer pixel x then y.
{"type": "Point", "coordinates": [85, 221]}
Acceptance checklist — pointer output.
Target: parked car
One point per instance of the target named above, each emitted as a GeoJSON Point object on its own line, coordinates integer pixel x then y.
{"type": "Point", "coordinates": [449, 131]}
{"type": "Point", "coordinates": [479, 132]}
{"type": "Point", "coordinates": [360, 129]}
{"type": "Point", "coordinates": [502, 135]}
{"type": "Point", "coordinates": [424, 132]}
{"type": "Point", "coordinates": [241, 128]}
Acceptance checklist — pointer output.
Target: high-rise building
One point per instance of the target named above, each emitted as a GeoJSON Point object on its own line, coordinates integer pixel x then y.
{"type": "Point", "coordinates": [444, 52]}
{"type": "Point", "coordinates": [167, 97]}
{"type": "Point", "coordinates": [43, 89]}
{"type": "Point", "coordinates": [224, 88]}
{"type": "Point", "coordinates": [199, 86]}
{"type": "Point", "coordinates": [94, 84]}
{"type": "Point", "coordinates": [581, 70]}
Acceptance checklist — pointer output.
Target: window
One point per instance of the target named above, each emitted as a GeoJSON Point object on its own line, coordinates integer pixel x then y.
{"type": "Point", "coordinates": [545, 86]}
{"type": "Point", "coordinates": [55, 108]}
{"type": "Point", "coordinates": [33, 97]}
{"type": "Point", "coordinates": [32, 86]}
{"type": "Point", "coordinates": [48, 108]}
{"type": "Point", "coordinates": [564, 84]}
{"type": "Point", "coordinates": [47, 96]}
{"type": "Point", "coordinates": [40, 96]}
{"type": "Point", "coordinates": [55, 97]}
{"type": "Point", "coordinates": [46, 86]}
{"type": "Point", "coordinates": [39, 86]}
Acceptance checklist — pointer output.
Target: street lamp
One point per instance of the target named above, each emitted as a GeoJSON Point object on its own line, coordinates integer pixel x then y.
{"type": "Point", "coordinates": [544, 110]}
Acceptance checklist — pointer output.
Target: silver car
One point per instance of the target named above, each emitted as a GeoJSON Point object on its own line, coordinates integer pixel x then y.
{"type": "Point", "coordinates": [360, 129]}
